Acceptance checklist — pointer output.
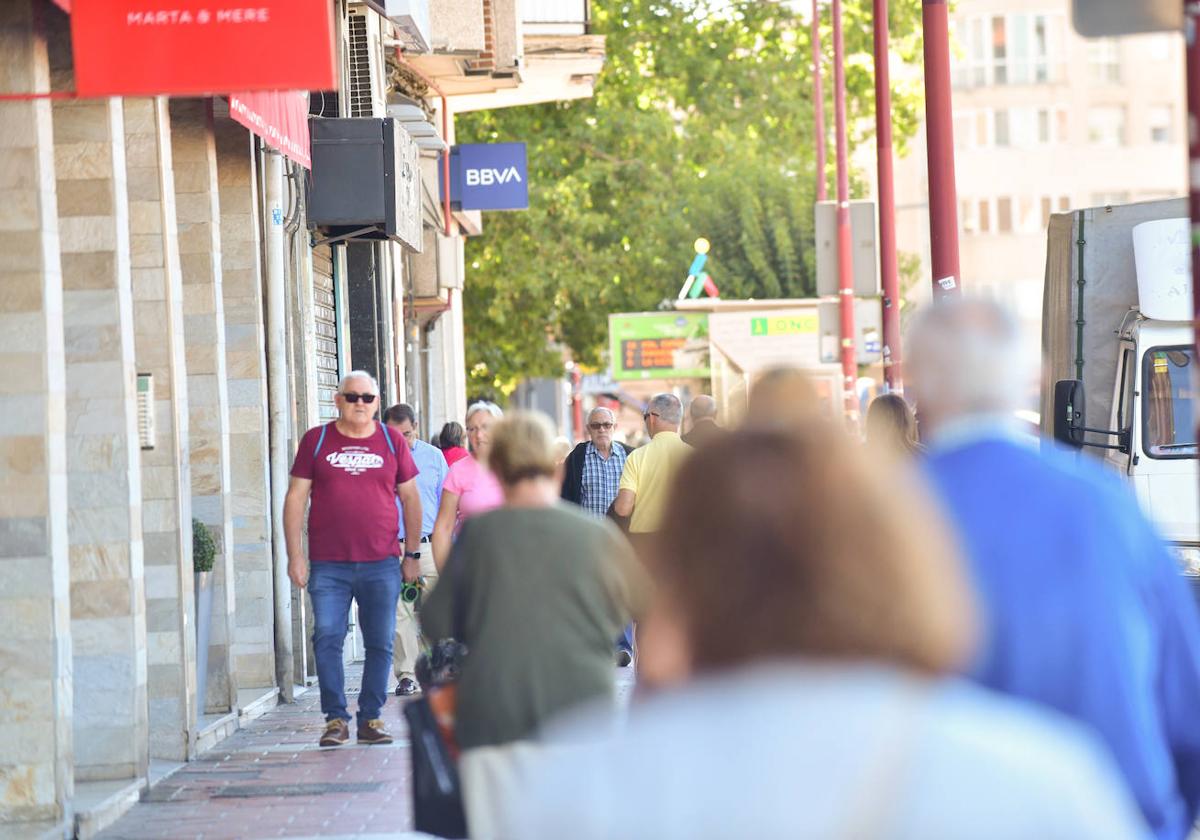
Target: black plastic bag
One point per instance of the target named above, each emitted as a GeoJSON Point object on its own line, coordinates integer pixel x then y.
{"type": "Point", "coordinates": [437, 791]}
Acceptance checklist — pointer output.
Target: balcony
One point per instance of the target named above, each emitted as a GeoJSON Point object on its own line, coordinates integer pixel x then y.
{"type": "Point", "coordinates": [556, 17]}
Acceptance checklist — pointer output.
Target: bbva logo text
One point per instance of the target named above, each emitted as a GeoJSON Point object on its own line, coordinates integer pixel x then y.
{"type": "Point", "coordinates": [488, 177]}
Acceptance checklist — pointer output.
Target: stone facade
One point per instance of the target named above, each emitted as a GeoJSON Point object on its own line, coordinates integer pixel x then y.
{"type": "Point", "coordinates": [245, 357]}
{"type": "Point", "coordinates": [166, 468]}
{"type": "Point", "coordinates": [197, 205]}
{"type": "Point", "coordinates": [36, 775]}
{"type": "Point", "coordinates": [108, 622]}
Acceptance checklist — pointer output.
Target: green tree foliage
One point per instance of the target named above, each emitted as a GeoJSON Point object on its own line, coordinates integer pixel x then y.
{"type": "Point", "coordinates": [701, 125]}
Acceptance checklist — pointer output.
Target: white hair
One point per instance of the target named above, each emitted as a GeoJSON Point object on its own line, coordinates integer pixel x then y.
{"type": "Point", "coordinates": [668, 407]}
{"type": "Point", "coordinates": [483, 405]}
{"type": "Point", "coordinates": [357, 374]}
{"type": "Point", "coordinates": [605, 409]}
{"type": "Point", "coordinates": [967, 357]}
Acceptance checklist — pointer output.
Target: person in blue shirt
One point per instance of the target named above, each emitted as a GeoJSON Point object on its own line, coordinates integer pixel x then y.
{"type": "Point", "coordinates": [1084, 610]}
{"type": "Point", "coordinates": [433, 469]}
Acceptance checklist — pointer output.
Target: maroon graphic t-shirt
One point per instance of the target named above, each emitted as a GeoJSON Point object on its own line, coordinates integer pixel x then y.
{"type": "Point", "coordinates": [352, 514]}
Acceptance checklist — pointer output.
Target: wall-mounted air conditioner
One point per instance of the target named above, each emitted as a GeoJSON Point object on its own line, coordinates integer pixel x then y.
{"type": "Point", "coordinates": [366, 181]}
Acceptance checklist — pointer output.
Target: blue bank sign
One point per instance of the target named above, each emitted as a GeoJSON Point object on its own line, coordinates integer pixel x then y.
{"type": "Point", "coordinates": [489, 176]}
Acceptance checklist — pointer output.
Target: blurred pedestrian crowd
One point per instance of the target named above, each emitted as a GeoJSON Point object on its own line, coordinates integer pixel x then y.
{"type": "Point", "coordinates": [950, 630]}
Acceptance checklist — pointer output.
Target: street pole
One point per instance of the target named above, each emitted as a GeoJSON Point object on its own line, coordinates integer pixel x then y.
{"type": "Point", "coordinates": [844, 249]}
{"type": "Point", "coordinates": [1191, 20]}
{"type": "Point", "coordinates": [818, 102]}
{"type": "Point", "coordinates": [939, 128]}
{"type": "Point", "coordinates": [889, 276]}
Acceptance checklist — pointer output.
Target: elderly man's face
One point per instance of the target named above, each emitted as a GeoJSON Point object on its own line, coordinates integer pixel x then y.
{"type": "Point", "coordinates": [600, 428]}
{"type": "Point", "coordinates": [358, 401]}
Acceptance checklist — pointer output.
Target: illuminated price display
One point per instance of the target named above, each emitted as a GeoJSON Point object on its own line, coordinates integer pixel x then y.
{"type": "Point", "coordinates": [650, 353]}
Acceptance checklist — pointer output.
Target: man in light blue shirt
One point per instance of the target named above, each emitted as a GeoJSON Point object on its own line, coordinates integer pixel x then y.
{"type": "Point", "coordinates": [432, 475]}
{"type": "Point", "coordinates": [1084, 610]}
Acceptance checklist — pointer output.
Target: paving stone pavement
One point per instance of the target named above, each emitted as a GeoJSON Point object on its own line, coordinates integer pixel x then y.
{"type": "Point", "coordinates": [270, 779]}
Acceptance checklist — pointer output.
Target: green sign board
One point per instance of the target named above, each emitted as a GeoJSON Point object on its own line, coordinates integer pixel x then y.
{"type": "Point", "coordinates": [784, 325]}
{"type": "Point", "coordinates": [659, 345]}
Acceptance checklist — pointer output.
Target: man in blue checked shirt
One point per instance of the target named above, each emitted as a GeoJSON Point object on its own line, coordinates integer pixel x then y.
{"type": "Point", "coordinates": [433, 469]}
{"type": "Point", "coordinates": [591, 479]}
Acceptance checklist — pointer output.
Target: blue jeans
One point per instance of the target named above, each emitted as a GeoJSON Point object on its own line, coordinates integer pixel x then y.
{"type": "Point", "coordinates": [376, 588]}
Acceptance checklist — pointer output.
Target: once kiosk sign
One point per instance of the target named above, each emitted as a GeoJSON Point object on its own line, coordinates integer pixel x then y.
{"type": "Point", "coordinates": [489, 176]}
{"type": "Point", "coordinates": [196, 47]}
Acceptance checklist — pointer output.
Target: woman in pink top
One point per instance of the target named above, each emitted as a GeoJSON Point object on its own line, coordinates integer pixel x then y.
{"type": "Point", "coordinates": [470, 487]}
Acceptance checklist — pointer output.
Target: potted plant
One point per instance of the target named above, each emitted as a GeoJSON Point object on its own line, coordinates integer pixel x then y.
{"type": "Point", "coordinates": [204, 552]}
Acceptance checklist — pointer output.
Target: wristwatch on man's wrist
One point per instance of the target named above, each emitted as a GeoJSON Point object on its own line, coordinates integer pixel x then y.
{"type": "Point", "coordinates": [416, 555]}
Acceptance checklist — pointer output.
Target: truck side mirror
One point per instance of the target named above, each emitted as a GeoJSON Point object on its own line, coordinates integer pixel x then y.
{"type": "Point", "coordinates": [1068, 412]}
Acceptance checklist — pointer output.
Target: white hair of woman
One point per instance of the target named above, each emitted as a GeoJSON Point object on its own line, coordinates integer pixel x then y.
{"type": "Point", "coordinates": [483, 405]}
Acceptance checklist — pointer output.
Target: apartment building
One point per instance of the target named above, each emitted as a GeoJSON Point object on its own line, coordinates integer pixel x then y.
{"type": "Point", "coordinates": [1044, 121]}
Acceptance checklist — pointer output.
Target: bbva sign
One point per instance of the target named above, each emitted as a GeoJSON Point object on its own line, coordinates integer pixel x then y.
{"type": "Point", "coordinates": [489, 176]}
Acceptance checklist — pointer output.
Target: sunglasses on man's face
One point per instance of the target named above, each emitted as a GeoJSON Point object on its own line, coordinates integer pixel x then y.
{"type": "Point", "coordinates": [600, 427]}
{"type": "Point", "coordinates": [650, 414]}
{"type": "Point", "coordinates": [351, 397]}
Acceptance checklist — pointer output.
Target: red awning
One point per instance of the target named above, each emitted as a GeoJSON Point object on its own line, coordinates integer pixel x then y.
{"type": "Point", "coordinates": [280, 118]}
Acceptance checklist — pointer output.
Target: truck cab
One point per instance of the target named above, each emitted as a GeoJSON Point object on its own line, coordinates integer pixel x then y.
{"type": "Point", "coordinates": [1153, 414]}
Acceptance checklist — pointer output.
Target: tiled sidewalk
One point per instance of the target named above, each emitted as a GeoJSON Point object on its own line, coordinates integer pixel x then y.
{"type": "Point", "coordinates": [272, 780]}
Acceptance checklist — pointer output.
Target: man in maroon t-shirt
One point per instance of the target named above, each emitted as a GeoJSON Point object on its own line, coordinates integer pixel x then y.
{"type": "Point", "coordinates": [355, 471]}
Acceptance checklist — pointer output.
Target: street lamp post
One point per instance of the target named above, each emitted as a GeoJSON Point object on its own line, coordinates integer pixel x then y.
{"type": "Point", "coordinates": [818, 102]}
{"type": "Point", "coordinates": [844, 249]}
{"type": "Point", "coordinates": [889, 277]}
{"type": "Point", "coordinates": [939, 136]}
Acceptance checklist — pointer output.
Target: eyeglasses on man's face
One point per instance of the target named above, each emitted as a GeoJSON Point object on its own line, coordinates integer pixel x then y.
{"type": "Point", "coordinates": [351, 397]}
{"type": "Point", "coordinates": [601, 427]}
{"type": "Point", "coordinates": [650, 414]}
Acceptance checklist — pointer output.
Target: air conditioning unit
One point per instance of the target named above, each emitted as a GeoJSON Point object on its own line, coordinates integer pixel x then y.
{"type": "Point", "coordinates": [362, 46]}
{"type": "Point", "coordinates": [366, 181]}
{"type": "Point", "coordinates": [411, 18]}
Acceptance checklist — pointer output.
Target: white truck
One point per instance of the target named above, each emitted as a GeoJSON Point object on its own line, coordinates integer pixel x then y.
{"type": "Point", "coordinates": [1120, 367]}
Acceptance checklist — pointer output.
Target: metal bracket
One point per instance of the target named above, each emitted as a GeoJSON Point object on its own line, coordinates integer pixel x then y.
{"type": "Point", "coordinates": [343, 237]}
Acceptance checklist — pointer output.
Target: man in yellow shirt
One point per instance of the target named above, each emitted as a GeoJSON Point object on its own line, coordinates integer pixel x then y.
{"type": "Point", "coordinates": [649, 471]}
{"type": "Point", "coordinates": [646, 482]}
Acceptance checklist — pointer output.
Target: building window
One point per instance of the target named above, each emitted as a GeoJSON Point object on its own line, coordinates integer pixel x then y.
{"type": "Point", "coordinates": [985, 216]}
{"type": "Point", "coordinates": [1104, 61]}
{"type": "Point", "coordinates": [1047, 209]}
{"type": "Point", "coordinates": [999, 51]}
{"type": "Point", "coordinates": [1001, 125]}
{"type": "Point", "coordinates": [1004, 215]}
{"type": "Point", "coordinates": [981, 128]}
{"type": "Point", "coordinates": [1043, 126]}
{"type": "Point", "coordinates": [1026, 220]}
{"type": "Point", "coordinates": [1160, 124]}
{"type": "Point", "coordinates": [970, 219]}
{"type": "Point", "coordinates": [1060, 117]}
{"type": "Point", "coordinates": [1064, 203]}
{"type": "Point", "coordinates": [1106, 125]}
{"type": "Point", "coordinates": [1159, 46]}
{"type": "Point", "coordinates": [1041, 49]}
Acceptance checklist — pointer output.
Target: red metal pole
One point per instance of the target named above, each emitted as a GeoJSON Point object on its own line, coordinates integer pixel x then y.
{"type": "Point", "coordinates": [889, 276]}
{"type": "Point", "coordinates": [845, 251]}
{"type": "Point", "coordinates": [818, 103]}
{"type": "Point", "coordinates": [939, 128]}
{"type": "Point", "coordinates": [1191, 20]}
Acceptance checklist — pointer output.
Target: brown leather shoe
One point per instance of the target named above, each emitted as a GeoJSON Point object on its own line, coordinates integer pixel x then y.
{"type": "Point", "coordinates": [336, 733]}
{"type": "Point", "coordinates": [372, 732]}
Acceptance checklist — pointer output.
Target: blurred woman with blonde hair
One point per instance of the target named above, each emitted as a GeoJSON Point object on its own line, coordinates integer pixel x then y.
{"type": "Point", "coordinates": [809, 614]}
{"type": "Point", "coordinates": [537, 590]}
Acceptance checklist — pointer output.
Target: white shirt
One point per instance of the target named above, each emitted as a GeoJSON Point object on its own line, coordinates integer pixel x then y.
{"type": "Point", "coordinates": [827, 751]}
